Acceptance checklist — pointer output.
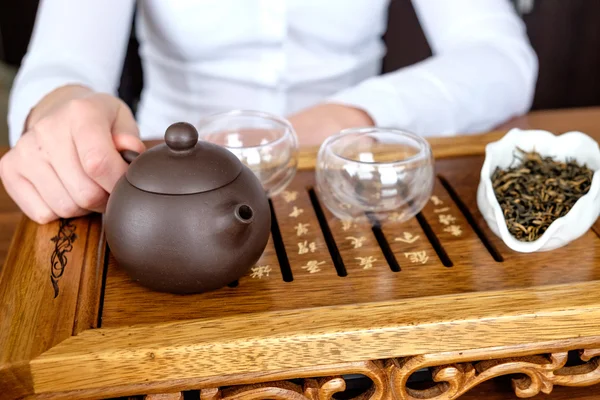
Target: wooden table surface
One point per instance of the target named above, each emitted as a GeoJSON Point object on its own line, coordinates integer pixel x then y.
{"type": "Point", "coordinates": [585, 120]}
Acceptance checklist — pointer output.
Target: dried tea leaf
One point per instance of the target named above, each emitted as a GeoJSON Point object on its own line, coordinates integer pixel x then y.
{"type": "Point", "coordinates": [535, 191]}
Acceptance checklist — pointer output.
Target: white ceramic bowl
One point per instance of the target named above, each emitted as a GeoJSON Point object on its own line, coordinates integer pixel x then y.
{"type": "Point", "coordinates": [572, 145]}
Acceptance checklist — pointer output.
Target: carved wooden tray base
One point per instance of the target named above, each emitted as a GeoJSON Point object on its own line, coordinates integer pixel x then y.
{"type": "Point", "coordinates": [327, 299]}
{"type": "Point", "coordinates": [453, 373]}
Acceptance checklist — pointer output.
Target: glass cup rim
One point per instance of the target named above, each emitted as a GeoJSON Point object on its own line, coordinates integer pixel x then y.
{"type": "Point", "coordinates": [423, 145]}
{"type": "Point", "coordinates": [288, 131]}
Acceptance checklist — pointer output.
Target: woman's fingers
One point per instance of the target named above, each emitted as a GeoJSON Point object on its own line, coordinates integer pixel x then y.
{"type": "Point", "coordinates": [91, 133]}
{"type": "Point", "coordinates": [108, 127]}
{"type": "Point", "coordinates": [24, 194]}
{"type": "Point", "coordinates": [47, 184]}
{"type": "Point", "coordinates": [60, 153]}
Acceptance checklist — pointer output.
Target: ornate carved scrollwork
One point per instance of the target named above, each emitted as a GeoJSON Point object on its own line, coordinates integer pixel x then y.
{"type": "Point", "coordinates": [313, 388]}
{"type": "Point", "coordinates": [453, 374]}
{"type": "Point", "coordinates": [537, 374]}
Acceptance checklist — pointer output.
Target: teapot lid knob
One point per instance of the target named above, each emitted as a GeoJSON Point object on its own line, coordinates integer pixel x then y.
{"type": "Point", "coordinates": [181, 136]}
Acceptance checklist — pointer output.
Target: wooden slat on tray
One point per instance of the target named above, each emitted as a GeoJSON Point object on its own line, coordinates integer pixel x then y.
{"type": "Point", "coordinates": [456, 236]}
{"type": "Point", "coordinates": [302, 236]}
{"type": "Point", "coordinates": [357, 245]}
{"type": "Point", "coordinates": [409, 243]}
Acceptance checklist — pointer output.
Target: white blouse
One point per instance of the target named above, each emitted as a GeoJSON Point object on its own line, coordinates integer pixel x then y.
{"type": "Point", "coordinates": [280, 56]}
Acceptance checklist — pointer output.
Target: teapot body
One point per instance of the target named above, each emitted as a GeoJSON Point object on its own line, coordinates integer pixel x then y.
{"type": "Point", "coordinates": [188, 243]}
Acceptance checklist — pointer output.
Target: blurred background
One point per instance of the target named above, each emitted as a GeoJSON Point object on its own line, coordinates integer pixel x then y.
{"type": "Point", "coordinates": [565, 35]}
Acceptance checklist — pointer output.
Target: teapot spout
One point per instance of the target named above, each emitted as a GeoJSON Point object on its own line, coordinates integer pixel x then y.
{"type": "Point", "coordinates": [244, 214]}
{"type": "Point", "coordinates": [234, 229]}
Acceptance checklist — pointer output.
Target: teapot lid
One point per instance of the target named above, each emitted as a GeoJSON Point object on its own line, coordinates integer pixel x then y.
{"type": "Point", "coordinates": [183, 165]}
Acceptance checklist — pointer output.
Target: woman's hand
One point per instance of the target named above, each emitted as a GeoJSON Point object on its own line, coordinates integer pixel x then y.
{"type": "Point", "coordinates": [67, 161]}
{"type": "Point", "coordinates": [315, 124]}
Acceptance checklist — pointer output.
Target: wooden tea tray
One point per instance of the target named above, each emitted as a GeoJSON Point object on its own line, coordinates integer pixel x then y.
{"type": "Point", "coordinates": [326, 299]}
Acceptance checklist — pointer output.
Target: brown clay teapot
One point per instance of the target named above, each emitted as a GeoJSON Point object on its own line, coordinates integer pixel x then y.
{"type": "Point", "coordinates": [188, 216]}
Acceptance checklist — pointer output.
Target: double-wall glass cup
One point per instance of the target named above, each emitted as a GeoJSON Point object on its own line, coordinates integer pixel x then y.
{"type": "Point", "coordinates": [265, 143]}
{"type": "Point", "coordinates": [375, 172]}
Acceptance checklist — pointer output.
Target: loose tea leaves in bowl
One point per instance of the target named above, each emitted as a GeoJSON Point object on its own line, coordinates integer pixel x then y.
{"type": "Point", "coordinates": [537, 191]}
